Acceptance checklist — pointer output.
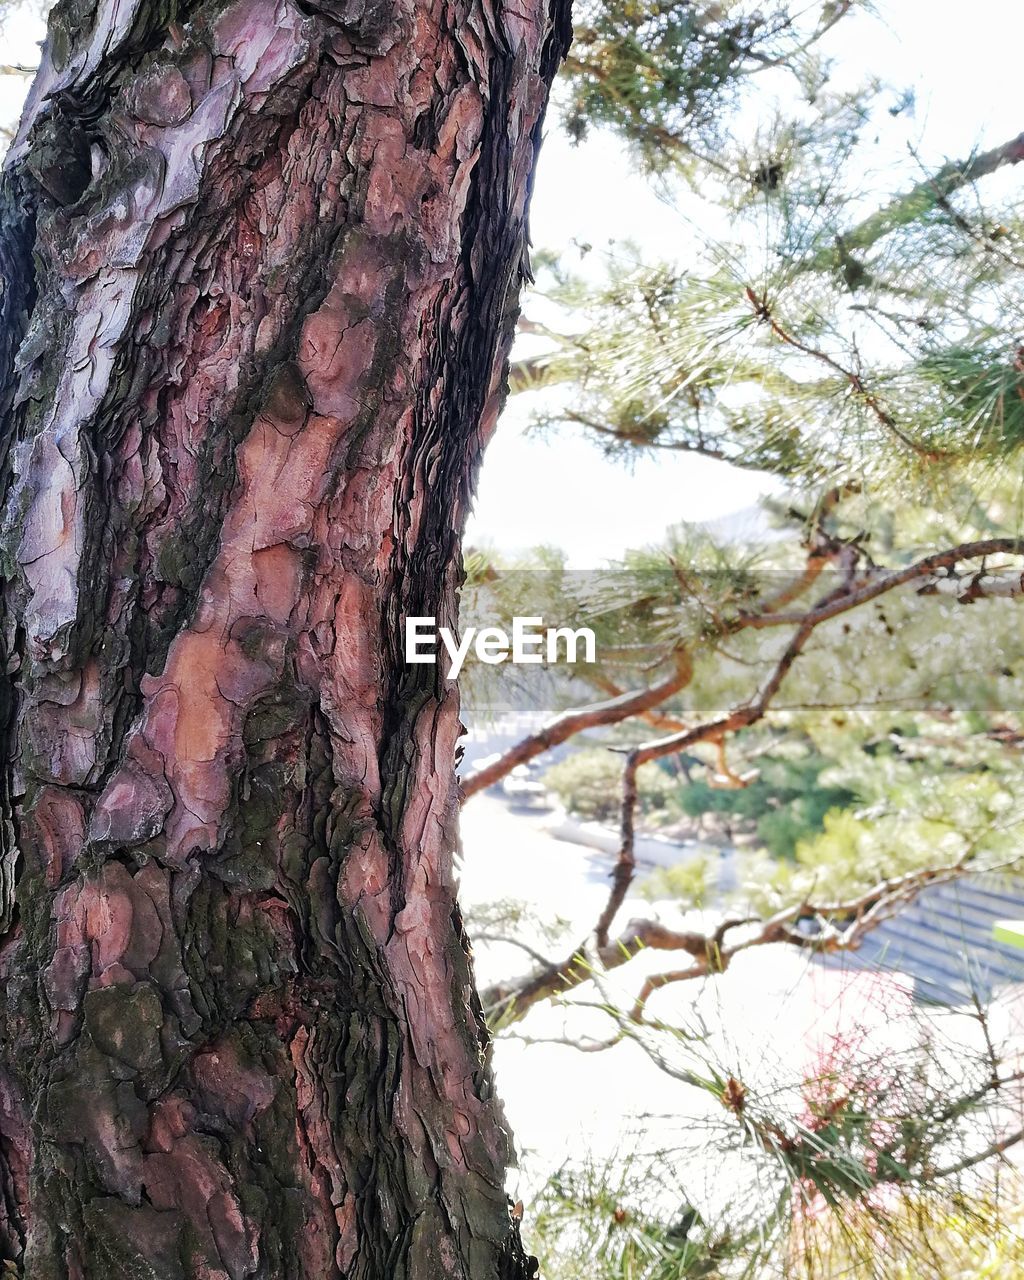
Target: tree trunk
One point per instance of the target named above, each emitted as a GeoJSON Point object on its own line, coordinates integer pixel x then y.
{"type": "Point", "coordinates": [261, 262]}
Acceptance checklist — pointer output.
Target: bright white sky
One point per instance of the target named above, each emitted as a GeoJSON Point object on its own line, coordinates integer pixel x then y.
{"type": "Point", "coordinates": [963, 62]}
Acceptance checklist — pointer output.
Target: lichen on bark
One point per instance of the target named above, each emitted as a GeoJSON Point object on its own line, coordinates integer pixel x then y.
{"type": "Point", "coordinates": [261, 261]}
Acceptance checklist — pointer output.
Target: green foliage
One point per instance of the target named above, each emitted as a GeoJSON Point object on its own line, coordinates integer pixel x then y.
{"type": "Point", "coordinates": [656, 71]}
{"type": "Point", "coordinates": [691, 882]}
{"type": "Point", "coordinates": [594, 1222]}
{"type": "Point", "coordinates": [980, 388]}
{"type": "Point", "coordinates": [914, 814]}
{"type": "Point", "coordinates": [589, 785]}
{"type": "Point", "coordinates": [602, 1222]}
{"type": "Point", "coordinates": [836, 314]}
{"type": "Point", "coordinates": [873, 1162]}
{"type": "Point", "coordinates": [785, 804]}
{"type": "Point", "coordinates": [713, 359]}
{"type": "Point", "coordinates": [666, 74]}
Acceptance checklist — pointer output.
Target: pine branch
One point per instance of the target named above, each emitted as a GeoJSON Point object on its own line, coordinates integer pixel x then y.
{"type": "Point", "coordinates": [569, 723]}
{"type": "Point", "coordinates": [765, 313]}
{"type": "Point", "coordinates": [714, 731]}
{"type": "Point", "coordinates": [852, 594]}
{"type": "Point", "coordinates": [882, 581]}
{"type": "Point", "coordinates": [711, 954]}
{"type": "Point", "coordinates": [917, 202]}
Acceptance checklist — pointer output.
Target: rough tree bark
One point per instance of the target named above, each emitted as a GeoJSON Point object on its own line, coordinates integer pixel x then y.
{"type": "Point", "coordinates": [260, 267]}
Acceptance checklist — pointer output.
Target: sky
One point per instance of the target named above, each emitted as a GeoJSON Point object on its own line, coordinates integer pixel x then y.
{"type": "Point", "coordinates": [964, 65]}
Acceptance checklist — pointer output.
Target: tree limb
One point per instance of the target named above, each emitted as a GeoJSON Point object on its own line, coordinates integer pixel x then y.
{"type": "Point", "coordinates": [842, 925]}
{"type": "Point", "coordinates": [569, 723]}
{"type": "Point", "coordinates": [884, 581]}
{"type": "Point", "coordinates": [916, 202]}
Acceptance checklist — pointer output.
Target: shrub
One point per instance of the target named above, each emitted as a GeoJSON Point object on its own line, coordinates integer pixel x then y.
{"type": "Point", "coordinates": [692, 882]}
{"type": "Point", "coordinates": [589, 785]}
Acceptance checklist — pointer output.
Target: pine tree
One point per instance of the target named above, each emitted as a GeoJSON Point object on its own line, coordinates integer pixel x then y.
{"type": "Point", "coordinates": [260, 270]}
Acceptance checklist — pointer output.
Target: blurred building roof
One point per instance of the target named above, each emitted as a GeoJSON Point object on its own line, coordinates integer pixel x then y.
{"type": "Point", "coordinates": [943, 941]}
